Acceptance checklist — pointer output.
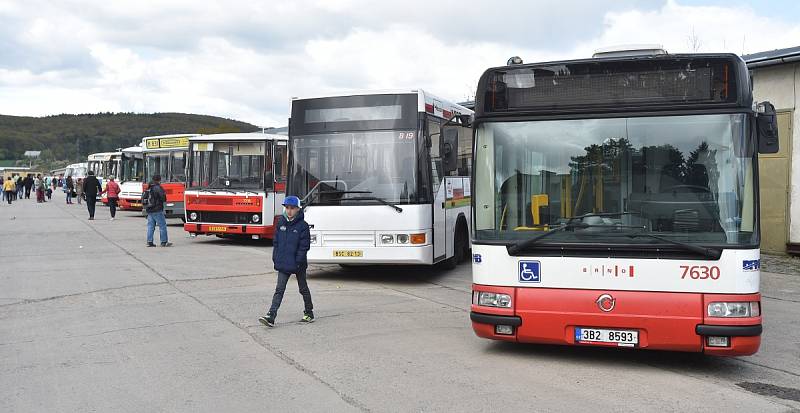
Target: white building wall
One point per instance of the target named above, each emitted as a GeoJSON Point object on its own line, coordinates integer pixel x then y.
{"type": "Point", "coordinates": [779, 85]}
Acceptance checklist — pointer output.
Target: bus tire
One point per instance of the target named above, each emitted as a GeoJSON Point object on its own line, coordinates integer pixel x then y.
{"type": "Point", "coordinates": [460, 246]}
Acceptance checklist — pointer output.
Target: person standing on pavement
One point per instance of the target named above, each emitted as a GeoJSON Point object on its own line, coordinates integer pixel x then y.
{"type": "Point", "coordinates": [9, 188]}
{"type": "Point", "coordinates": [79, 190]}
{"type": "Point", "coordinates": [28, 182]}
{"type": "Point", "coordinates": [38, 186]}
{"type": "Point", "coordinates": [112, 193]}
{"type": "Point", "coordinates": [91, 187]}
{"type": "Point", "coordinates": [290, 256]}
{"type": "Point", "coordinates": [153, 200]}
{"type": "Point", "coordinates": [70, 187]}
{"type": "Point", "coordinates": [20, 188]}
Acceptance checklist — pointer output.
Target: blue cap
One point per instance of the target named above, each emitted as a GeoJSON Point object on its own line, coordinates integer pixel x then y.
{"type": "Point", "coordinates": [291, 201]}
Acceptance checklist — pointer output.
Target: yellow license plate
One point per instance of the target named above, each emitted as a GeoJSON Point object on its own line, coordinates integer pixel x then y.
{"type": "Point", "coordinates": [136, 204]}
{"type": "Point", "coordinates": [217, 229]}
{"type": "Point", "coordinates": [348, 253]}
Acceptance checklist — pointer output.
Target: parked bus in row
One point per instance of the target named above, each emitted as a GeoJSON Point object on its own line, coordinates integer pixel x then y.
{"type": "Point", "coordinates": [236, 184]}
{"type": "Point", "coordinates": [131, 177]}
{"type": "Point", "coordinates": [165, 155]}
{"type": "Point", "coordinates": [383, 177]}
{"type": "Point", "coordinates": [76, 171]}
{"type": "Point", "coordinates": [616, 203]}
{"type": "Point", "coordinates": [104, 165]}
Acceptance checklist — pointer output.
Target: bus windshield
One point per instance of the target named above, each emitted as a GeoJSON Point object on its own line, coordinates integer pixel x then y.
{"type": "Point", "coordinates": [79, 171]}
{"type": "Point", "coordinates": [228, 165]}
{"type": "Point", "coordinates": [131, 169]}
{"type": "Point", "coordinates": [157, 164]}
{"type": "Point", "coordinates": [689, 178]}
{"type": "Point", "coordinates": [355, 166]}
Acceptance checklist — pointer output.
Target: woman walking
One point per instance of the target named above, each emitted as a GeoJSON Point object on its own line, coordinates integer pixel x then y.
{"type": "Point", "coordinates": [9, 188]}
{"type": "Point", "coordinates": [112, 193]}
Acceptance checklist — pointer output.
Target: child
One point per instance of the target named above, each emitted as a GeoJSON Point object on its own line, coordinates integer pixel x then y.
{"type": "Point", "coordinates": [290, 256]}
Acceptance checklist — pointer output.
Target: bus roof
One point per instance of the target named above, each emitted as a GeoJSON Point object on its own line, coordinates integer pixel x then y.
{"type": "Point", "coordinates": [102, 156]}
{"type": "Point", "coordinates": [132, 149]}
{"type": "Point", "coordinates": [427, 102]}
{"type": "Point", "coordinates": [665, 82]}
{"type": "Point", "coordinates": [253, 136]}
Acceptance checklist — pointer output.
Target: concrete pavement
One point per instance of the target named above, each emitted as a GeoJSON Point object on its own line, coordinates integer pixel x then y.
{"type": "Point", "coordinates": [92, 320]}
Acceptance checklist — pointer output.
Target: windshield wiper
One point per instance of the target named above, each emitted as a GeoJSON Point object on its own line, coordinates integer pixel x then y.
{"type": "Point", "coordinates": [373, 198]}
{"type": "Point", "coordinates": [706, 252]}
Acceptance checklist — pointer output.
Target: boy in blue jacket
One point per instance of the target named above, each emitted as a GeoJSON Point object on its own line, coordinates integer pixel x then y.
{"type": "Point", "coordinates": [290, 256]}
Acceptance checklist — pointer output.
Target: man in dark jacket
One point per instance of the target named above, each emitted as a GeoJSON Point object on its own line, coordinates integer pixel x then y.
{"type": "Point", "coordinates": [28, 181]}
{"type": "Point", "coordinates": [91, 187]}
{"type": "Point", "coordinates": [290, 256]}
{"type": "Point", "coordinates": [153, 200]}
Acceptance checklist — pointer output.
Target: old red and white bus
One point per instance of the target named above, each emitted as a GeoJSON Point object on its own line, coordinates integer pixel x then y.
{"type": "Point", "coordinates": [237, 184]}
{"type": "Point", "coordinates": [166, 155]}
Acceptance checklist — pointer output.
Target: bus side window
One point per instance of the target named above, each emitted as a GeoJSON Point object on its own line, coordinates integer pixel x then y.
{"type": "Point", "coordinates": [281, 157]}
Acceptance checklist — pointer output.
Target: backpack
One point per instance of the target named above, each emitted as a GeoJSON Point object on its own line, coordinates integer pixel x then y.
{"type": "Point", "coordinates": [149, 198]}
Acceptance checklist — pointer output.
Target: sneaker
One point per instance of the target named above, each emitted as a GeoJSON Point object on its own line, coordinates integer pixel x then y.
{"type": "Point", "coordinates": [166, 244]}
{"type": "Point", "coordinates": [307, 318]}
{"type": "Point", "coordinates": [150, 244]}
{"type": "Point", "coordinates": [112, 218]}
{"type": "Point", "coordinates": [268, 320]}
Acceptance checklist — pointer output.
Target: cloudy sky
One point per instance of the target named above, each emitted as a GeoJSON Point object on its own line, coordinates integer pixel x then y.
{"type": "Point", "coordinates": [246, 59]}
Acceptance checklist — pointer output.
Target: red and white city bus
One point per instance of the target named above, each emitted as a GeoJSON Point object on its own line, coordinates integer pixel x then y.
{"type": "Point", "coordinates": [165, 155]}
{"type": "Point", "coordinates": [237, 184]}
{"type": "Point", "coordinates": [615, 203]}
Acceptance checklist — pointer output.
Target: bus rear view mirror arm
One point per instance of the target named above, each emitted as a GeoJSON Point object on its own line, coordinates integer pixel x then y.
{"type": "Point", "coordinates": [767, 128]}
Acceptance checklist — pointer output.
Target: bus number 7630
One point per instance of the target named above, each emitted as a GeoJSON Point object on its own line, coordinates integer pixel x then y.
{"type": "Point", "coordinates": [700, 272]}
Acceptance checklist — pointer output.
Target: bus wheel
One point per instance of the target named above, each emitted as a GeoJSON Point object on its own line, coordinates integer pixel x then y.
{"type": "Point", "coordinates": [460, 245]}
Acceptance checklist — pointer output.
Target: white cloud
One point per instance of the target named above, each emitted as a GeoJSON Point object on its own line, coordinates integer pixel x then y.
{"type": "Point", "coordinates": [245, 60]}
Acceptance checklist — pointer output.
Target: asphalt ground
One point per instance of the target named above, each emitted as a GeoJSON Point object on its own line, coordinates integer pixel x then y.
{"type": "Point", "coordinates": [92, 320]}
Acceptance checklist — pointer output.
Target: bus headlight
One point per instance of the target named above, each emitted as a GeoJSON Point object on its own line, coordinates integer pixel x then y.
{"type": "Point", "coordinates": [256, 218]}
{"type": "Point", "coordinates": [488, 299]}
{"type": "Point", "coordinates": [313, 239]}
{"type": "Point", "coordinates": [402, 238]}
{"type": "Point", "coordinates": [193, 216]}
{"type": "Point", "coordinates": [734, 309]}
{"type": "Point", "coordinates": [387, 239]}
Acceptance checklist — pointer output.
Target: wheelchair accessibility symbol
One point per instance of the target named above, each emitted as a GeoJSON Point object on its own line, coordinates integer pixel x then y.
{"type": "Point", "coordinates": [530, 272]}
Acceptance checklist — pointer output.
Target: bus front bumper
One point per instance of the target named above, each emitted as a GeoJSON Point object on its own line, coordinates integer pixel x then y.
{"type": "Point", "coordinates": [664, 321]}
{"type": "Point", "coordinates": [261, 231]}
{"type": "Point", "coordinates": [174, 209]}
{"type": "Point", "coordinates": [411, 255]}
{"type": "Point", "coordinates": [130, 204]}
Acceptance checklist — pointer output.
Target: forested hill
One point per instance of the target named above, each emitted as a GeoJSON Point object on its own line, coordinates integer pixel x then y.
{"type": "Point", "coordinates": [71, 137]}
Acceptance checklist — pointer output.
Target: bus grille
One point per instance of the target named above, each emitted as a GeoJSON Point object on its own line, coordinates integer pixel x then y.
{"type": "Point", "coordinates": [225, 217]}
{"type": "Point", "coordinates": [348, 239]}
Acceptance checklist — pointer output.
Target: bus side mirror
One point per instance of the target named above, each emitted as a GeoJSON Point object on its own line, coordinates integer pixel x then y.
{"type": "Point", "coordinates": [449, 150]}
{"type": "Point", "coordinates": [767, 126]}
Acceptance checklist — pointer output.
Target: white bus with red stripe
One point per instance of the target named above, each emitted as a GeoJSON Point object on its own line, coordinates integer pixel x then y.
{"type": "Point", "coordinates": [236, 184]}
{"type": "Point", "coordinates": [383, 177]}
{"type": "Point", "coordinates": [131, 176]}
{"type": "Point", "coordinates": [616, 203]}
